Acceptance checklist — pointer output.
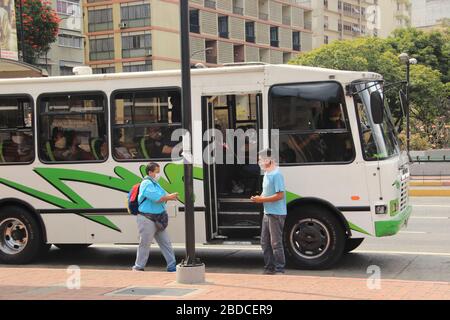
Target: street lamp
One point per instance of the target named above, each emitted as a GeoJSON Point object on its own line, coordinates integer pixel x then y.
{"type": "Point", "coordinates": [191, 270]}
{"type": "Point", "coordinates": [408, 61]}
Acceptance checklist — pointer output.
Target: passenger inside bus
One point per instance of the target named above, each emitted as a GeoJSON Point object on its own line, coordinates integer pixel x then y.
{"type": "Point", "coordinates": [158, 143]}
{"type": "Point", "coordinates": [76, 153]}
{"type": "Point", "coordinates": [121, 152]}
{"type": "Point", "coordinates": [339, 146]}
{"type": "Point", "coordinates": [19, 148]}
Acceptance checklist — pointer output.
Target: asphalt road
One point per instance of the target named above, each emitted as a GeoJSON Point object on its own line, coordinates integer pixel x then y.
{"type": "Point", "coordinates": [419, 252]}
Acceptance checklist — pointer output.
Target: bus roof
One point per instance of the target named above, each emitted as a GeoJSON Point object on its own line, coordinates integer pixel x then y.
{"type": "Point", "coordinates": [268, 69]}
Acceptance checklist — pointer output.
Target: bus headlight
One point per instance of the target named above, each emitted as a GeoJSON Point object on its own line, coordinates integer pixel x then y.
{"type": "Point", "coordinates": [381, 209]}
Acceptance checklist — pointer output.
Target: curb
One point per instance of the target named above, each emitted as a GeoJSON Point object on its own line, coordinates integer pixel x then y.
{"type": "Point", "coordinates": [428, 193]}
{"type": "Point", "coordinates": [429, 183]}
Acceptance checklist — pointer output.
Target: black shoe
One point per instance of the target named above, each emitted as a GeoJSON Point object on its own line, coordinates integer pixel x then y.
{"type": "Point", "coordinates": [268, 271]}
{"type": "Point", "coordinates": [279, 272]}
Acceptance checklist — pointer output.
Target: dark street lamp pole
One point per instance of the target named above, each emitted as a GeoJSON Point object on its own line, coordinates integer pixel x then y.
{"type": "Point", "coordinates": [190, 260]}
{"type": "Point", "coordinates": [408, 61]}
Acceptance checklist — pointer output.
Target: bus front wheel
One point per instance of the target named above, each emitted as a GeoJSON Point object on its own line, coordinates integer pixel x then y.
{"type": "Point", "coordinates": [21, 239]}
{"type": "Point", "coordinates": [314, 238]}
{"type": "Point", "coordinates": [352, 243]}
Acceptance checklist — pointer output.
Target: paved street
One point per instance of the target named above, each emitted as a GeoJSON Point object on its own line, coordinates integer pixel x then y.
{"type": "Point", "coordinates": [420, 255]}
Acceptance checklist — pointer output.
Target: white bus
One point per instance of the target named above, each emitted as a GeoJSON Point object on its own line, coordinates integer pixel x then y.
{"type": "Point", "coordinates": [72, 147]}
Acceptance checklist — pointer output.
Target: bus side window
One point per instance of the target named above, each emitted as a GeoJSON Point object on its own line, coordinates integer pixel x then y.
{"type": "Point", "coordinates": [143, 122]}
{"type": "Point", "coordinates": [312, 123]}
{"type": "Point", "coordinates": [16, 130]}
{"type": "Point", "coordinates": [72, 127]}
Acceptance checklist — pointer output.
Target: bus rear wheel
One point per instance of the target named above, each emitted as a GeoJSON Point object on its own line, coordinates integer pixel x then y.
{"type": "Point", "coordinates": [72, 246]}
{"type": "Point", "coordinates": [21, 239]}
{"type": "Point", "coordinates": [352, 243]}
{"type": "Point", "coordinates": [313, 238]}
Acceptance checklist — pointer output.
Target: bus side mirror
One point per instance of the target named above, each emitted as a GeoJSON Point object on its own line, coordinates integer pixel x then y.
{"type": "Point", "coordinates": [376, 106]}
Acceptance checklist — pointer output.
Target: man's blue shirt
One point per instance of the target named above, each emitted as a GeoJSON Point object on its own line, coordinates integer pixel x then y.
{"type": "Point", "coordinates": [273, 182]}
{"type": "Point", "coordinates": [150, 192]}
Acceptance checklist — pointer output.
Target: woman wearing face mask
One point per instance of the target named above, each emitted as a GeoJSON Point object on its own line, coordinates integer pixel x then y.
{"type": "Point", "coordinates": [152, 219]}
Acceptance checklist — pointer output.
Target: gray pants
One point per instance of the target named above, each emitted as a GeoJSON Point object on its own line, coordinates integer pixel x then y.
{"type": "Point", "coordinates": [272, 242]}
{"type": "Point", "coordinates": [148, 231]}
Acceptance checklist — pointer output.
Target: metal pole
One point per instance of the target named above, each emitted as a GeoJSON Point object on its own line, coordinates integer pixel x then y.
{"type": "Point", "coordinates": [187, 125]}
{"type": "Point", "coordinates": [22, 33]}
{"type": "Point", "coordinates": [407, 109]}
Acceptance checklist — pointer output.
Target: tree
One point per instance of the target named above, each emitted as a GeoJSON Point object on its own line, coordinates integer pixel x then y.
{"type": "Point", "coordinates": [40, 27]}
{"type": "Point", "coordinates": [429, 48]}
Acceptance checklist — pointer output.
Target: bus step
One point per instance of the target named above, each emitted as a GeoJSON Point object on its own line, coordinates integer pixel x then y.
{"type": "Point", "coordinates": [255, 213]}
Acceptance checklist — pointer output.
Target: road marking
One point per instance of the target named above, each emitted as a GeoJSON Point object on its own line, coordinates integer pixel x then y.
{"type": "Point", "coordinates": [405, 252]}
{"type": "Point", "coordinates": [432, 205]}
{"type": "Point", "coordinates": [412, 232]}
{"type": "Point", "coordinates": [437, 218]}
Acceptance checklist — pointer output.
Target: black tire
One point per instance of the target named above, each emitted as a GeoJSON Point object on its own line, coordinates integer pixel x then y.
{"type": "Point", "coordinates": [352, 243]}
{"type": "Point", "coordinates": [21, 238]}
{"type": "Point", "coordinates": [324, 232]}
{"type": "Point", "coordinates": [72, 246]}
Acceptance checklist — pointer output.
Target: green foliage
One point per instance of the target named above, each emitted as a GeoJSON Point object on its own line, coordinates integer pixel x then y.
{"type": "Point", "coordinates": [429, 48]}
{"type": "Point", "coordinates": [417, 142]}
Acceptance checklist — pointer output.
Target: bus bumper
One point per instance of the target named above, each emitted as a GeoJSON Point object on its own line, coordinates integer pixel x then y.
{"type": "Point", "coordinates": [391, 227]}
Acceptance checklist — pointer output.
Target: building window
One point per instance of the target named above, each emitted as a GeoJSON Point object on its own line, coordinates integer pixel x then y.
{"type": "Point", "coordinates": [102, 70]}
{"type": "Point", "coordinates": [136, 45]}
{"type": "Point", "coordinates": [101, 49]}
{"type": "Point", "coordinates": [194, 20]}
{"type": "Point", "coordinates": [65, 71]}
{"type": "Point", "coordinates": [100, 20]}
{"type": "Point", "coordinates": [274, 42]}
{"type": "Point", "coordinates": [137, 67]}
{"type": "Point", "coordinates": [73, 127]}
{"type": "Point", "coordinates": [133, 16]}
{"type": "Point", "coordinates": [223, 26]}
{"type": "Point", "coordinates": [65, 40]}
{"type": "Point", "coordinates": [250, 31]}
{"type": "Point", "coordinates": [16, 130]}
{"type": "Point", "coordinates": [143, 122]}
{"type": "Point", "coordinates": [70, 8]}
{"type": "Point", "coordinates": [313, 126]}
{"type": "Point", "coordinates": [325, 39]}
{"type": "Point", "coordinates": [296, 41]}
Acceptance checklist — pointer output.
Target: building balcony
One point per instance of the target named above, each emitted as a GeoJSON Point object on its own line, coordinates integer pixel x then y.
{"type": "Point", "coordinates": [210, 4]}
{"type": "Point", "coordinates": [238, 10]}
{"type": "Point", "coordinates": [194, 28]}
{"type": "Point", "coordinates": [263, 16]}
{"type": "Point", "coordinates": [250, 38]}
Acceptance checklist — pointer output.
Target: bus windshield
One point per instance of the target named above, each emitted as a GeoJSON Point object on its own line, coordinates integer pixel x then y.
{"type": "Point", "coordinates": [379, 141]}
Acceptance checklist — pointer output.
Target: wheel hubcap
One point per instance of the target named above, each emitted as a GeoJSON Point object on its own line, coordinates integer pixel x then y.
{"type": "Point", "coordinates": [13, 236]}
{"type": "Point", "coordinates": [310, 238]}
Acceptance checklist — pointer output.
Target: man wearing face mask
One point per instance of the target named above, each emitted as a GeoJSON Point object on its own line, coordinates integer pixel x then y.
{"type": "Point", "coordinates": [273, 198]}
{"type": "Point", "coordinates": [152, 219]}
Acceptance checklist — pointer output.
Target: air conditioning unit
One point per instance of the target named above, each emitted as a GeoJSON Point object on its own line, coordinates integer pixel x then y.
{"type": "Point", "coordinates": [123, 25]}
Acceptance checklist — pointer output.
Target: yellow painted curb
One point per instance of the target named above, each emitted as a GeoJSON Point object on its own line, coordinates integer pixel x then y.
{"type": "Point", "coordinates": [429, 193]}
{"type": "Point", "coordinates": [426, 183]}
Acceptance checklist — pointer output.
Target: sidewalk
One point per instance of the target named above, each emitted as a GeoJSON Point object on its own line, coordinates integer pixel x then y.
{"type": "Point", "coordinates": [39, 284]}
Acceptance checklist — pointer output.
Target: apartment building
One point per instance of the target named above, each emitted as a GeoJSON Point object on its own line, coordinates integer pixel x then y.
{"type": "Point", "coordinates": [133, 35]}
{"type": "Point", "coordinates": [393, 14]}
{"type": "Point", "coordinates": [336, 20]}
{"type": "Point", "coordinates": [67, 51]}
{"type": "Point", "coordinates": [430, 14]}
